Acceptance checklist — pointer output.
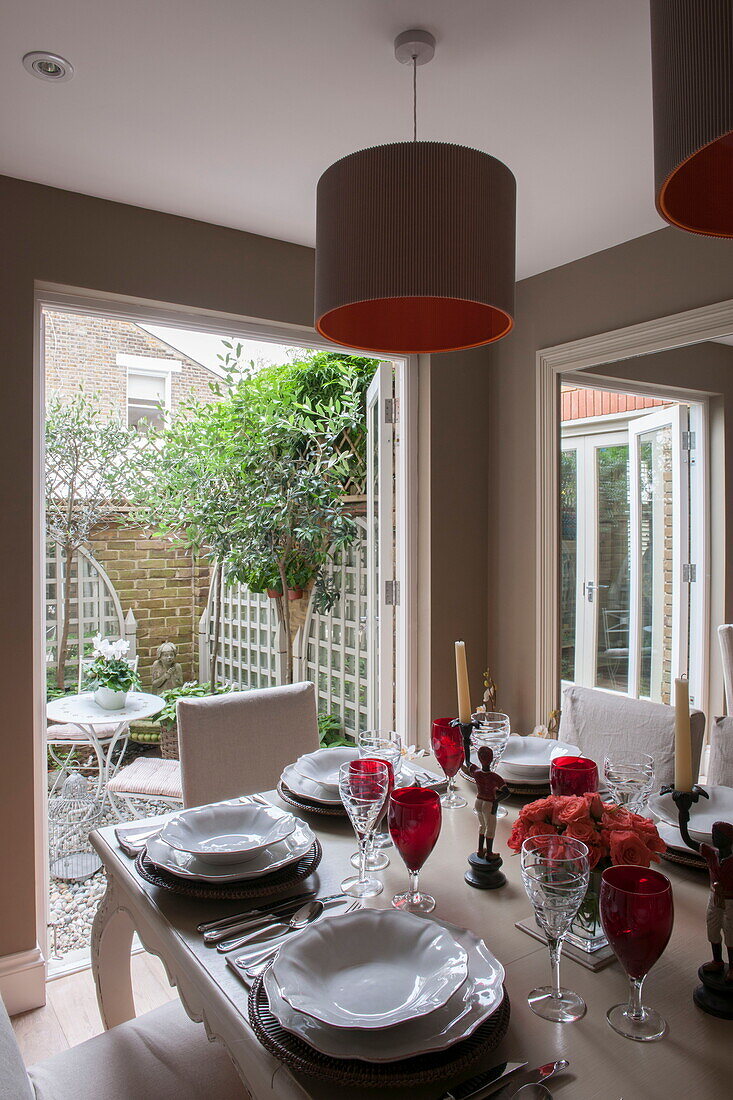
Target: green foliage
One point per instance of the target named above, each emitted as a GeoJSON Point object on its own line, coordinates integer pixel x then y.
{"type": "Point", "coordinates": [330, 731]}
{"type": "Point", "coordinates": [190, 690]}
{"type": "Point", "coordinates": [113, 673]}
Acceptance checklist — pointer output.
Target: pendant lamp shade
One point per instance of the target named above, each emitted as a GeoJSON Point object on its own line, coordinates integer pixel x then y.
{"type": "Point", "coordinates": [415, 248]}
{"type": "Point", "coordinates": [692, 74]}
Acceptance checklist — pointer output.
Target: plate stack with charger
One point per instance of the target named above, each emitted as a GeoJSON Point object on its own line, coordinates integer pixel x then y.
{"type": "Point", "coordinates": [525, 764]}
{"type": "Point", "coordinates": [718, 806]}
{"type": "Point", "coordinates": [380, 998]}
{"type": "Point", "coordinates": [235, 849]}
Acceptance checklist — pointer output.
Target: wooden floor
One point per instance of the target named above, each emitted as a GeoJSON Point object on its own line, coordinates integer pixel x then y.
{"type": "Point", "coordinates": [70, 1014]}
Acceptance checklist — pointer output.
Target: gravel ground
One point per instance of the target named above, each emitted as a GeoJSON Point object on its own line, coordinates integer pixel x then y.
{"type": "Point", "coordinates": [72, 905]}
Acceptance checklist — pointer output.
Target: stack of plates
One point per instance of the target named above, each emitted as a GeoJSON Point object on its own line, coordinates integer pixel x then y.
{"type": "Point", "coordinates": [526, 760]}
{"type": "Point", "coordinates": [381, 985]}
{"type": "Point", "coordinates": [315, 776]}
{"type": "Point", "coordinates": [703, 814]}
{"type": "Point", "coordinates": [230, 841]}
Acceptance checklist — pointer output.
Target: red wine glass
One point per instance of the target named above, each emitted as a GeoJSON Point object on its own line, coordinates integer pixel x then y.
{"type": "Point", "coordinates": [637, 914]}
{"type": "Point", "coordinates": [447, 743]}
{"type": "Point", "coordinates": [573, 775]}
{"type": "Point", "coordinates": [414, 818]}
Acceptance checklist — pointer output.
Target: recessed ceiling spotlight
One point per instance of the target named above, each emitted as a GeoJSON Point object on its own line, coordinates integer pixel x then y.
{"type": "Point", "coordinates": [48, 66]}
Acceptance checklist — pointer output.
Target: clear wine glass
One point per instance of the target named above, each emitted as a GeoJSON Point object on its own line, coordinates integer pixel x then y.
{"type": "Point", "coordinates": [630, 779]}
{"type": "Point", "coordinates": [555, 873]}
{"type": "Point", "coordinates": [637, 915]}
{"type": "Point", "coordinates": [364, 787]}
{"type": "Point", "coordinates": [415, 817]}
{"type": "Point", "coordinates": [446, 741]}
{"type": "Point", "coordinates": [494, 729]}
{"type": "Point", "coordinates": [380, 745]}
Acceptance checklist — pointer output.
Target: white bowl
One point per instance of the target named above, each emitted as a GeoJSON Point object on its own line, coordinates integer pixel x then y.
{"type": "Point", "coordinates": [266, 862]}
{"type": "Point", "coordinates": [322, 766]}
{"type": "Point", "coordinates": [470, 1005]}
{"type": "Point", "coordinates": [227, 832]}
{"type": "Point", "coordinates": [370, 969]}
{"type": "Point", "coordinates": [308, 788]}
{"type": "Point", "coordinates": [703, 814]}
{"type": "Point", "coordinates": [530, 757]}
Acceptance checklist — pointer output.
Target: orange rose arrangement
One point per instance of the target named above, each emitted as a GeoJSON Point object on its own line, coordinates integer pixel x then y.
{"type": "Point", "coordinates": [613, 834]}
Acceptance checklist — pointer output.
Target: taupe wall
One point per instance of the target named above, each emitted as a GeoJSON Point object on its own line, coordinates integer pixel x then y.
{"type": "Point", "coordinates": [653, 276]}
{"type": "Point", "coordinates": [61, 237]}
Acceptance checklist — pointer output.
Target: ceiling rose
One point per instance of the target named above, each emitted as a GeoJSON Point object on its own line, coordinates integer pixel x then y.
{"type": "Point", "coordinates": [415, 242]}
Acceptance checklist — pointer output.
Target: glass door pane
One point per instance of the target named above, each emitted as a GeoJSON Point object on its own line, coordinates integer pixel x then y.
{"type": "Point", "coordinates": [609, 592]}
{"type": "Point", "coordinates": [380, 550]}
{"type": "Point", "coordinates": [569, 561]}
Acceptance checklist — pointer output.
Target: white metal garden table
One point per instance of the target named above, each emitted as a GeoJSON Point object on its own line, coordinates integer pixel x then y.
{"type": "Point", "coordinates": [93, 722]}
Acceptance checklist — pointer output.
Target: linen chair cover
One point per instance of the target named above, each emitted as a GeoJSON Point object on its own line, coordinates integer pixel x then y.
{"type": "Point", "coordinates": [239, 743]}
{"type": "Point", "coordinates": [720, 766]}
{"type": "Point", "coordinates": [599, 722]}
{"type": "Point", "coordinates": [725, 637]}
{"type": "Point", "coordinates": [159, 1056]}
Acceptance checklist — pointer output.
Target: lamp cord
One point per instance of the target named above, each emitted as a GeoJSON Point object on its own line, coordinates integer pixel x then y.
{"type": "Point", "coordinates": [414, 97]}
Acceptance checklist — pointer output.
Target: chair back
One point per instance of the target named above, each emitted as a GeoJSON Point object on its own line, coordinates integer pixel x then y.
{"type": "Point", "coordinates": [599, 722]}
{"type": "Point", "coordinates": [239, 743]}
{"type": "Point", "coordinates": [720, 766]}
{"type": "Point", "coordinates": [14, 1080]}
{"type": "Point", "coordinates": [725, 638]}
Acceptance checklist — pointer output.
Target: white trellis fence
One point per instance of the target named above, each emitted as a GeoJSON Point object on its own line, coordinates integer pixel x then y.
{"type": "Point", "coordinates": [95, 608]}
{"type": "Point", "coordinates": [330, 648]}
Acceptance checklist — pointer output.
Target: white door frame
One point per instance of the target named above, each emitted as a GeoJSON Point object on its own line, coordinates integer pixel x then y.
{"type": "Point", "coordinates": [140, 310]}
{"type": "Point", "coordinates": [659, 334]}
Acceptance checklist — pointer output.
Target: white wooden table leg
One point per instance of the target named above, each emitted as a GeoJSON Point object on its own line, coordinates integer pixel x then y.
{"type": "Point", "coordinates": [112, 932]}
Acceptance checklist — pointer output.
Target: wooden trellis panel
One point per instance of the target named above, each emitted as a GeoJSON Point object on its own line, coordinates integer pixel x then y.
{"type": "Point", "coordinates": [249, 638]}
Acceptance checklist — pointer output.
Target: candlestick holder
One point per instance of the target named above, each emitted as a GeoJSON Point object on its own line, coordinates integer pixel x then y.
{"type": "Point", "coordinates": [466, 729]}
{"type": "Point", "coordinates": [715, 994]}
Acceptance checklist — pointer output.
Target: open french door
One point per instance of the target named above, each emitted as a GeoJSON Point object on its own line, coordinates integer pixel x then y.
{"type": "Point", "coordinates": [382, 587]}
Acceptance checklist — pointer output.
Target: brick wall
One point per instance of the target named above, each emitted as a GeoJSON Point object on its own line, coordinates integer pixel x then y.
{"type": "Point", "coordinates": [81, 351]}
{"type": "Point", "coordinates": [165, 587]}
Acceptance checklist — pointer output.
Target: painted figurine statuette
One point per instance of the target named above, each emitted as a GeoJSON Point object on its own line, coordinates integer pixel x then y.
{"type": "Point", "coordinates": [715, 995]}
{"type": "Point", "coordinates": [484, 864]}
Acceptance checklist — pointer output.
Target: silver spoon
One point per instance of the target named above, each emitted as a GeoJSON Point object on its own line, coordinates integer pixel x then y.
{"type": "Point", "coordinates": [300, 918]}
{"type": "Point", "coordinates": [255, 966]}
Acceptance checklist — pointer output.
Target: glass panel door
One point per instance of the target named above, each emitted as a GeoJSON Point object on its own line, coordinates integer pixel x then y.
{"type": "Point", "coordinates": [381, 596]}
{"type": "Point", "coordinates": [607, 589]}
{"type": "Point", "coordinates": [568, 560]}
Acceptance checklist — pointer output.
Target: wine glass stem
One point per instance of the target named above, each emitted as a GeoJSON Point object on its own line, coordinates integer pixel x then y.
{"type": "Point", "coordinates": [555, 947]}
{"type": "Point", "coordinates": [363, 851]}
{"type": "Point", "coordinates": [413, 882]}
{"type": "Point", "coordinates": [635, 1009]}
{"type": "Point", "coordinates": [451, 786]}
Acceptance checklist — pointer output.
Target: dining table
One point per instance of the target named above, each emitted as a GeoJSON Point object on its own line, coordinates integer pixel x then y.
{"type": "Point", "coordinates": [693, 1059]}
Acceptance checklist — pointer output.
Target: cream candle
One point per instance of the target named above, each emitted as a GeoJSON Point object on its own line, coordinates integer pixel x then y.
{"type": "Point", "coordinates": [464, 695]}
{"type": "Point", "coordinates": [682, 736]}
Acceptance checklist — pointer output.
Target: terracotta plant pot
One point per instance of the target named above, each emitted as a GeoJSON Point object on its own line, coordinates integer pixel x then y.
{"type": "Point", "coordinates": [295, 593]}
{"type": "Point", "coordinates": [273, 593]}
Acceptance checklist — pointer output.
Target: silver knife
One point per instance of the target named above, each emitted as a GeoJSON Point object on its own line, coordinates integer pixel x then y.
{"type": "Point", "coordinates": [483, 1084]}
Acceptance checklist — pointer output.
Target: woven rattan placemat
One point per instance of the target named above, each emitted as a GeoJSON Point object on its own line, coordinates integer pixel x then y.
{"type": "Point", "coordinates": [423, 1069]}
{"type": "Point", "coordinates": [231, 891]}
{"type": "Point", "coordinates": [301, 803]}
{"type": "Point", "coordinates": [685, 859]}
{"type": "Point", "coordinates": [523, 790]}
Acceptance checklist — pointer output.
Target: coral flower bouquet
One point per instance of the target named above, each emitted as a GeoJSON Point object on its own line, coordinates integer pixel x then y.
{"type": "Point", "coordinates": [613, 834]}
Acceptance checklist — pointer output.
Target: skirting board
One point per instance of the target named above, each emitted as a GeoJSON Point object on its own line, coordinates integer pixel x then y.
{"type": "Point", "coordinates": [23, 980]}
{"type": "Point", "coordinates": [597, 960]}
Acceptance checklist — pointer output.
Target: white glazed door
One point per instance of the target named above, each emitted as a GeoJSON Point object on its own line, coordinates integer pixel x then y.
{"type": "Point", "coordinates": [382, 586]}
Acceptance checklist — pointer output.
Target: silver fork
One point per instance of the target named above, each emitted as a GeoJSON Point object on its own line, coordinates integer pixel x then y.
{"type": "Point", "coordinates": [256, 968]}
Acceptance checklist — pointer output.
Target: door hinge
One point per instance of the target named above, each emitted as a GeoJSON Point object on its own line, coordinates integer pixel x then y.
{"type": "Point", "coordinates": [689, 572]}
{"type": "Point", "coordinates": [392, 593]}
{"type": "Point", "coordinates": [688, 441]}
{"type": "Point", "coordinates": [391, 410]}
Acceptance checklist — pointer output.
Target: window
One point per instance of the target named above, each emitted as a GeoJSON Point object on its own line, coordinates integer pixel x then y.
{"type": "Point", "coordinates": [146, 393]}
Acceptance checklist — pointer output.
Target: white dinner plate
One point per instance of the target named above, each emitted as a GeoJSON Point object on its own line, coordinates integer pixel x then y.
{"type": "Point", "coordinates": [703, 814]}
{"type": "Point", "coordinates": [227, 832]}
{"type": "Point", "coordinates": [470, 1005]}
{"type": "Point", "coordinates": [323, 765]}
{"type": "Point", "coordinates": [266, 862]}
{"type": "Point", "coordinates": [370, 969]}
{"type": "Point", "coordinates": [672, 837]}
{"type": "Point", "coordinates": [308, 788]}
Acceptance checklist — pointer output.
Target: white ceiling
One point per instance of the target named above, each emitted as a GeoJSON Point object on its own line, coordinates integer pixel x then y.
{"type": "Point", "coordinates": [229, 110]}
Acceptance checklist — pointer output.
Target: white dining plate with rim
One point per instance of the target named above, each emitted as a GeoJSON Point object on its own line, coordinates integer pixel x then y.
{"type": "Point", "coordinates": [308, 788]}
{"type": "Point", "coordinates": [703, 814]}
{"type": "Point", "coordinates": [370, 969]}
{"type": "Point", "coordinates": [470, 1005]}
{"type": "Point", "coordinates": [530, 757]}
{"type": "Point", "coordinates": [323, 765]}
{"type": "Point", "coordinates": [227, 832]}
{"type": "Point", "coordinates": [265, 862]}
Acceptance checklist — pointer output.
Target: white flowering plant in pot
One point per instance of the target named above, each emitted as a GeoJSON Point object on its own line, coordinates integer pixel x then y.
{"type": "Point", "coordinates": [111, 675]}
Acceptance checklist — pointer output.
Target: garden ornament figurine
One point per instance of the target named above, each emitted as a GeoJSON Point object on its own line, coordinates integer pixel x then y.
{"type": "Point", "coordinates": [167, 673]}
{"type": "Point", "coordinates": [715, 995]}
{"type": "Point", "coordinates": [484, 864]}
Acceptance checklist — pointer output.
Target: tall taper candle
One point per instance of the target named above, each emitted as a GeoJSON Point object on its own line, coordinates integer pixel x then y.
{"type": "Point", "coordinates": [464, 695]}
{"type": "Point", "coordinates": [682, 737]}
